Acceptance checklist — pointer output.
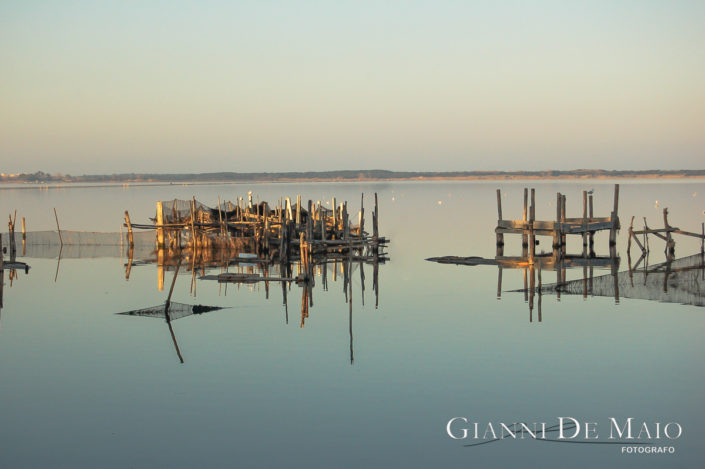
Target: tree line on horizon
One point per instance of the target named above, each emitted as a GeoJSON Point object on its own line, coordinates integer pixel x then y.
{"type": "Point", "coordinates": [42, 177]}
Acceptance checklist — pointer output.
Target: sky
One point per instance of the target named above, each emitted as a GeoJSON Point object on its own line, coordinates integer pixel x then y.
{"type": "Point", "coordinates": [170, 86]}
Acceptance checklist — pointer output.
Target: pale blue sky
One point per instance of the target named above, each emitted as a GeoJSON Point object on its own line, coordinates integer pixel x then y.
{"type": "Point", "coordinates": [94, 87]}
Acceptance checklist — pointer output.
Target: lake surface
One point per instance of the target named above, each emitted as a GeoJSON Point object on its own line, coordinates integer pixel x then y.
{"type": "Point", "coordinates": [82, 386]}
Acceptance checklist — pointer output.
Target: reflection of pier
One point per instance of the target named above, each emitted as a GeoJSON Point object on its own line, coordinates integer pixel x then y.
{"type": "Point", "coordinates": [534, 264]}
{"type": "Point", "coordinates": [679, 281]}
{"type": "Point", "coordinates": [240, 264]}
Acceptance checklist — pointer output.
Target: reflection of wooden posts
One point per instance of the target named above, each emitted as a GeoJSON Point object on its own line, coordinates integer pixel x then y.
{"type": "Point", "coordinates": [130, 239]}
{"type": "Point", "coordinates": [500, 236]}
{"type": "Point", "coordinates": [128, 267]}
{"type": "Point", "coordinates": [160, 269]}
{"type": "Point", "coordinates": [532, 290]}
{"type": "Point", "coordinates": [702, 240]}
{"type": "Point", "coordinates": [2, 271]}
{"type": "Point", "coordinates": [540, 294]}
{"type": "Point", "coordinates": [160, 225]}
{"type": "Point", "coordinates": [499, 282]}
{"type": "Point", "coordinates": [613, 268]}
{"type": "Point", "coordinates": [590, 279]}
{"type": "Point", "coordinates": [375, 277]}
{"type": "Point", "coordinates": [526, 284]}
{"type": "Point", "coordinates": [167, 304]}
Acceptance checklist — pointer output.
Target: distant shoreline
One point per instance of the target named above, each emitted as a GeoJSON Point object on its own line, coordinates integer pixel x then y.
{"type": "Point", "coordinates": [43, 180]}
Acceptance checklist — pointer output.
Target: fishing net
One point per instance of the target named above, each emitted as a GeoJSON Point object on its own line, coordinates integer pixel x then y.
{"type": "Point", "coordinates": [176, 311]}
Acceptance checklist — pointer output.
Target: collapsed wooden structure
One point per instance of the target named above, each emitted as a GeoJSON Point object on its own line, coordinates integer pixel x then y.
{"type": "Point", "coordinates": [278, 231]}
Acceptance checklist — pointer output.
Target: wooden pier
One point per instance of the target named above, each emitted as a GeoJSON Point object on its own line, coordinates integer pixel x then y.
{"type": "Point", "coordinates": [585, 226]}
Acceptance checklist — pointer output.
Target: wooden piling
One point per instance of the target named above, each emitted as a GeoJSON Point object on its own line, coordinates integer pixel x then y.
{"type": "Point", "coordinates": [591, 237]}
{"type": "Point", "coordinates": [375, 222]}
{"type": "Point", "coordinates": [61, 240]}
{"type": "Point", "coordinates": [130, 239]}
{"type": "Point", "coordinates": [585, 223]}
{"type": "Point", "coordinates": [532, 236]}
{"type": "Point", "coordinates": [362, 216]}
{"type": "Point", "coordinates": [160, 226]}
{"type": "Point", "coordinates": [614, 217]}
{"type": "Point", "coordinates": [500, 235]}
{"type": "Point", "coordinates": [557, 230]}
{"type": "Point", "coordinates": [524, 237]}
{"type": "Point", "coordinates": [298, 210]}
{"type": "Point", "coordinates": [24, 230]}
{"type": "Point", "coordinates": [563, 236]}
{"type": "Point", "coordinates": [11, 233]}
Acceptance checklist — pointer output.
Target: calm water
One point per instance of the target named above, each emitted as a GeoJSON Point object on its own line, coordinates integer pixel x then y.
{"type": "Point", "coordinates": [81, 386]}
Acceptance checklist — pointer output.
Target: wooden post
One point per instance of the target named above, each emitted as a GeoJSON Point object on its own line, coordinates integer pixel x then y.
{"type": "Point", "coordinates": [375, 222]}
{"type": "Point", "coordinates": [11, 233]}
{"type": "Point", "coordinates": [614, 218]}
{"type": "Point", "coordinates": [220, 224]}
{"type": "Point", "coordinates": [670, 243]}
{"type": "Point", "coordinates": [309, 220]}
{"type": "Point", "coordinates": [532, 237]}
{"type": "Point", "coordinates": [346, 221]}
{"type": "Point", "coordinates": [130, 239]}
{"type": "Point", "coordinates": [160, 227]}
{"type": "Point", "coordinates": [334, 221]}
{"type": "Point", "coordinates": [362, 216]}
{"type": "Point", "coordinates": [702, 240]}
{"type": "Point", "coordinates": [298, 210]}
{"type": "Point", "coordinates": [524, 237]}
{"type": "Point", "coordinates": [585, 223]}
{"type": "Point", "coordinates": [629, 239]}
{"type": "Point", "coordinates": [289, 215]}
{"type": "Point", "coordinates": [563, 240]}
{"type": "Point", "coordinates": [323, 225]}
{"type": "Point", "coordinates": [61, 240]}
{"type": "Point", "coordinates": [591, 237]}
{"type": "Point", "coordinates": [24, 230]}
{"type": "Point", "coordinates": [557, 230]}
{"type": "Point", "coordinates": [500, 236]}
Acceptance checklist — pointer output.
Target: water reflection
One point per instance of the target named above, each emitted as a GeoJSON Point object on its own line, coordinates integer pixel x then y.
{"type": "Point", "coordinates": [241, 266]}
